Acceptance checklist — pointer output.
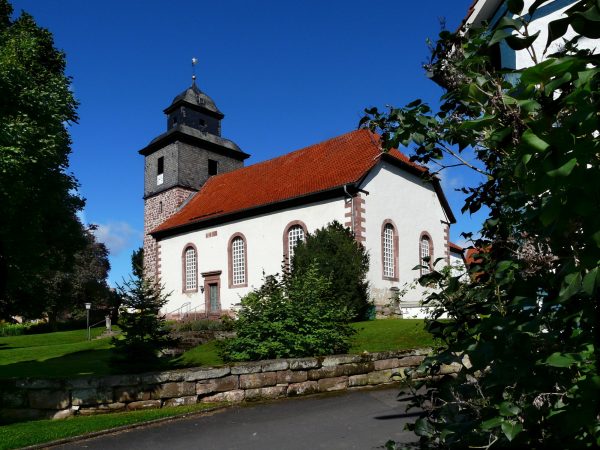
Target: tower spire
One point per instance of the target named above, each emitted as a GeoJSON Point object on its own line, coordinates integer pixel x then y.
{"type": "Point", "coordinates": [194, 62]}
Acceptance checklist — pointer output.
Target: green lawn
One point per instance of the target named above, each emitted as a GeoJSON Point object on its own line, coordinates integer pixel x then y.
{"type": "Point", "coordinates": [40, 431]}
{"type": "Point", "coordinates": [68, 353]}
{"type": "Point", "coordinates": [390, 334]}
{"type": "Point", "coordinates": [60, 354]}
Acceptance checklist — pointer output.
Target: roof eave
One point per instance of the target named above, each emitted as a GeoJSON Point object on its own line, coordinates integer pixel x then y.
{"type": "Point", "coordinates": [177, 135]}
{"type": "Point", "coordinates": [251, 211]}
{"type": "Point", "coordinates": [217, 114]}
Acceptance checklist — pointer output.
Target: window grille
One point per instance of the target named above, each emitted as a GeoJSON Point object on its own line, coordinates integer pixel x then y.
{"type": "Point", "coordinates": [388, 251]}
{"type": "Point", "coordinates": [295, 235]}
{"type": "Point", "coordinates": [190, 269]}
{"type": "Point", "coordinates": [238, 260]}
{"type": "Point", "coordinates": [425, 252]}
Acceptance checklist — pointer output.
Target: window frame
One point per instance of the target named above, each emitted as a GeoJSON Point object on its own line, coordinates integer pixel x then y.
{"type": "Point", "coordinates": [395, 248]}
{"type": "Point", "coordinates": [286, 235]}
{"type": "Point", "coordinates": [230, 260]}
{"type": "Point", "coordinates": [425, 236]}
{"type": "Point", "coordinates": [186, 247]}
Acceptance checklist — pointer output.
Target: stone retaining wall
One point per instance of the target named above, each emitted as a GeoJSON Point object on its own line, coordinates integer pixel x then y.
{"type": "Point", "coordinates": [57, 399]}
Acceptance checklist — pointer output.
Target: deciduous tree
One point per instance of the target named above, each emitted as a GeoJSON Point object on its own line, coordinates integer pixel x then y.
{"type": "Point", "coordinates": [39, 231]}
{"type": "Point", "coordinates": [526, 332]}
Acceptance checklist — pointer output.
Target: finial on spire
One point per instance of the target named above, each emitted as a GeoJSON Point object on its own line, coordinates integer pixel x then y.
{"type": "Point", "coordinates": [194, 62]}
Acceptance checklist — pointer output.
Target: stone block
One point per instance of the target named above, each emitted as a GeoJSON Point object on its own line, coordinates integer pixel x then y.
{"type": "Point", "coordinates": [266, 393]}
{"type": "Point", "coordinates": [357, 368]}
{"type": "Point", "coordinates": [274, 365]}
{"type": "Point", "coordinates": [304, 363]}
{"type": "Point", "coordinates": [39, 383]}
{"type": "Point", "coordinates": [93, 410]}
{"type": "Point", "coordinates": [62, 414]}
{"type": "Point", "coordinates": [144, 404]}
{"type": "Point", "coordinates": [132, 393]}
{"type": "Point", "coordinates": [307, 387]}
{"type": "Point", "coordinates": [236, 396]}
{"type": "Point", "coordinates": [117, 406]}
{"type": "Point", "coordinates": [229, 383]}
{"type": "Point", "coordinates": [380, 377]}
{"type": "Point", "coordinates": [205, 374]}
{"type": "Point", "coordinates": [82, 383]}
{"type": "Point", "coordinates": [171, 390]}
{"type": "Point", "coordinates": [410, 361]}
{"type": "Point", "coordinates": [163, 377]}
{"type": "Point", "coordinates": [91, 396]}
{"type": "Point", "coordinates": [333, 384]}
{"type": "Point", "coordinates": [256, 380]}
{"type": "Point", "coordinates": [446, 369]}
{"type": "Point", "coordinates": [358, 380]}
{"type": "Point", "coordinates": [13, 399]}
{"type": "Point", "coordinates": [179, 401]}
{"type": "Point", "coordinates": [119, 380]}
{"type": "Point", "coordinates": [336, 360]}
{"type": "Point", "coordinates": [383, 364]}
{"type": "Point", "coordinates": [291, 376]}
{"type": "Point", "coordinates": [245, 368]}
{"type": "Point", "coordinates": [45, 399]}
{"type": "Point", "coordinates": [325, 372]}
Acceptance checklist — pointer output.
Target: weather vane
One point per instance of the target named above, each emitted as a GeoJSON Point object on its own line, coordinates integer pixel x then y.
{"type": "Point", "coordinates": [194, 62]}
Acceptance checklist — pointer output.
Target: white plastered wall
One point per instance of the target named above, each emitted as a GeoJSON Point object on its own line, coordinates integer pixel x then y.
{"type": "Point", "coordinates": [544, 15]}
{"type": "Point", "coordinates": [414, 207]}
{"type": "Point", "coordinates": [264, 243]}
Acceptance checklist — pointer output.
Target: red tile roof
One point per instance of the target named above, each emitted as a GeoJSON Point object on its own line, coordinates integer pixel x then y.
{"type": "Point", "coordinates": [455, 247]}
{"type": "Point", "coordinates": [321, 167]}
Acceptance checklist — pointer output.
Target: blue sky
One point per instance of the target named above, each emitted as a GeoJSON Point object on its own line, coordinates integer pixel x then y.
{"type": "Point", "coordinates": [286, 75]}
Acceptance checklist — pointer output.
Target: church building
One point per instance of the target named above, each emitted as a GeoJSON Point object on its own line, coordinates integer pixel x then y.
{"type": "Point", "coordinates": [213, 227]}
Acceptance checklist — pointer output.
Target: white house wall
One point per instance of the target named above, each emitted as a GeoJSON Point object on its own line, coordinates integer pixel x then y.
{"type": "Point", "coordinates": [264, 244]}
{"type": "Point", "coordinates": [393, 194]}
{"type": "Point", "coordinates": [414, 207]}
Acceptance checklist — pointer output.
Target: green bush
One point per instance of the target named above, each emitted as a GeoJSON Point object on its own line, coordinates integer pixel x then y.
{"type": "Point", "coordinates": [13, 329]}
{"type": "Point", "coordinates": [342, 259]}
{"type": "Point", "coordinates": [290, 316]}
{"type": "Point", "coordinates": [200, 325]}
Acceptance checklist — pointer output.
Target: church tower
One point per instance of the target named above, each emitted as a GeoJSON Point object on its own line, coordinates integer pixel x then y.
{"type": "Point", "coordinates": [178, 162]}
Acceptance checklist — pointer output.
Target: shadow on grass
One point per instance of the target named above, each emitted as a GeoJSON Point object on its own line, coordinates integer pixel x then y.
{"type": "Point", "coordinates": [82, 363]}
{"type": "Point", "coordinates": [87, 362]}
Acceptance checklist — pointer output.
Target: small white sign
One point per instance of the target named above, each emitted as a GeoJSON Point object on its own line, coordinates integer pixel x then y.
{"type": "Point", "coordinates": [159, 179]}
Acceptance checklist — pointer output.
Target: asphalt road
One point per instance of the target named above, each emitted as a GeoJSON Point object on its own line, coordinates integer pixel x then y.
{"type": "Point", "coordinates": [364, 419]}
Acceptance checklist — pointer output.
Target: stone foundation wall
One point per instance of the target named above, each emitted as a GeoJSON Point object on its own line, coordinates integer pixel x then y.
{"type": "Point", "coordinates": [57, 399]}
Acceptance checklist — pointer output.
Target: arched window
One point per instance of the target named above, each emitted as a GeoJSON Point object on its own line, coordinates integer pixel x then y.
{"type": "Point", "coordinates": [238, 261]}
{"type": "Point", "coordinates": [294, 233]}
{"type": "Point", "coordinates": [190, 269]}
{"type": "Point", "coordinates": [389, 251]}
{"type": "Point", "coordinates": [425, 251]}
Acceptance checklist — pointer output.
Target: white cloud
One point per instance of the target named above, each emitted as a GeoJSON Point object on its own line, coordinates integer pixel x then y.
{"type": "Point", "coordinates": [117, 236]}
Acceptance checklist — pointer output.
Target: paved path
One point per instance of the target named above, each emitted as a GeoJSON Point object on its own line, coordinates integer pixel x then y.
{"type": "Point", "coordinates": [362, 419]}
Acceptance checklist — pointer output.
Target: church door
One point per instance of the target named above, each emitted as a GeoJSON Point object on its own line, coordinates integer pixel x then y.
{"type": "Point", "coordinates": [212, 293]}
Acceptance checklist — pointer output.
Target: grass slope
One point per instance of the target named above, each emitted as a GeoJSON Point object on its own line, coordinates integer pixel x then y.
{"type": "Point", "coordinates": [390, 334]}
{"type": "Point", "coordinates": [36, 432]}
{"type": "Point", "coordinates": [68, 353]}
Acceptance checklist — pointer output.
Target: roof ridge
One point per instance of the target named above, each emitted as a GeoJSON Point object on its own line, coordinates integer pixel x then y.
{"type": "Point", "coordinates": [285, 155]}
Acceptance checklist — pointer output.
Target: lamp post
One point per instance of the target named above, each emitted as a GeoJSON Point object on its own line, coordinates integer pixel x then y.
{"type": "Point", "coordinates": [88, 306]}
